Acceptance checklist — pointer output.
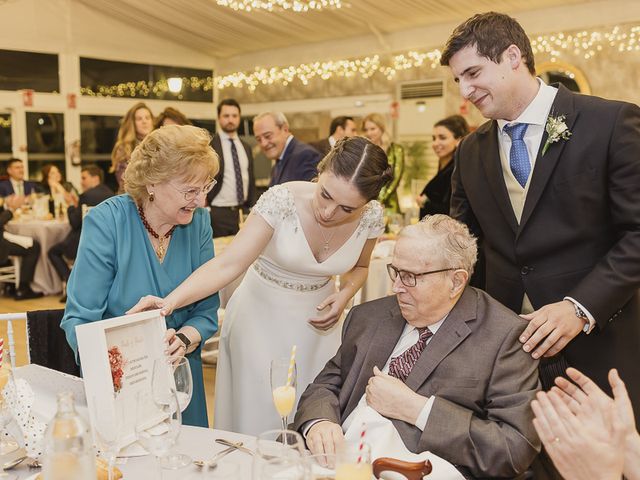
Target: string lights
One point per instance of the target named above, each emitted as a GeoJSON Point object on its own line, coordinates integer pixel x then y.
{"type": "Point", "coordinates": [297, 6]}
{"type": "Point", "coordinates": [5, 122]}
{"type": "Point", "coordinates": [587, 44]}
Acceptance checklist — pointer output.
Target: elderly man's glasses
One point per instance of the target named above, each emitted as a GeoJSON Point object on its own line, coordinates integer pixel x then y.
{"type": "Point", "coordinates": [410, 279]}
{"type": "Point", "coordinates": [192, 193]}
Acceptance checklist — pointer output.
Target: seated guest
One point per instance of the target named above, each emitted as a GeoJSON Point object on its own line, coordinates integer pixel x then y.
{"type": "Point", "coordinates": [94, 192]}
{"type": "Point", "coordinates": [16, 188]}
{"type": "Point", "coordinates": [170, 116]}
{"type": "Point", "coordinates": [440, 359]}
{"type": "Point", "coordinates": [340, 128]}
{"type": "Point", "coordinates": [148, 241]}
{"type": "Point", "coordinates": [585, 432]}
{"type": "Point", "coordinates": [53, 184]}
{"type": "Point", "coordinates": [20, 246]}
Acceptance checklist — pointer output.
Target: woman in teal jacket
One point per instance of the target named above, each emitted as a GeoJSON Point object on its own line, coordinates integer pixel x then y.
{"type": "Point", "coordinates": [148, 241]}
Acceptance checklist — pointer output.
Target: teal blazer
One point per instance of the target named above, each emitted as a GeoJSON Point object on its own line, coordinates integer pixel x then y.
{"type": "Point", "coordinates": [116, 265]}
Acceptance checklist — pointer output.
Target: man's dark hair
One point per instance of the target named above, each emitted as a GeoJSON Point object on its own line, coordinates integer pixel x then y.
{"type": "Point", "coordinates": [13, 160]}
{"type": "Point", "coordinates": [491, 33]}
{"type": "Point", "coordinates": [230, 102]}
{"type": "Point", "coordinates": [339, 122]}
{"type": "Point", "coordinates": [93, 170]}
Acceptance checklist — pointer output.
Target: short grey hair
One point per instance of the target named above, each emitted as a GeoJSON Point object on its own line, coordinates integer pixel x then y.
{"type": "Point", "coordinates": [278, 118]}
{"type": "Point", "coordinates": [455, 244]}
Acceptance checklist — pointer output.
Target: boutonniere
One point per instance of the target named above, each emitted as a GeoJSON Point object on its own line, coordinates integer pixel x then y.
{"type": "Point", "coordinates": [556, 130]}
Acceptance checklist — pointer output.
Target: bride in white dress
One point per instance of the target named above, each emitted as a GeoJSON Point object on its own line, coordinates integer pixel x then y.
{"type": "Point", "coordinates": [298, 236]}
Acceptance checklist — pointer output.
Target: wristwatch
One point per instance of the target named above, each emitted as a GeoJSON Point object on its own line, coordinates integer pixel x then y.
{"type": "Point", "coordinates": [184, 339]}
{"type": "Point", "coordinates": [583, 316]}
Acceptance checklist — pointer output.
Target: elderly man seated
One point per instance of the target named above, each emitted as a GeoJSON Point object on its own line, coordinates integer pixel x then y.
{"type": "Point", "coordinates": [440, 359]}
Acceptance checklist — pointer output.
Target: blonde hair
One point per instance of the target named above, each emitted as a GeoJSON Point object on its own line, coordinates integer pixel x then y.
{"type": "Point", "coordinates": [378, 120]}
{"type": "Point", "coordinates": [456, 246]}
{"type": "Point", "coordinates": [174, 151]}
{"type": "Point", "coordinates": [127, 136]}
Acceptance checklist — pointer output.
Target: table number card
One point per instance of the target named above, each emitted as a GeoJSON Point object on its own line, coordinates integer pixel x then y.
{"type": "Point", "coordinates": [117, 358]}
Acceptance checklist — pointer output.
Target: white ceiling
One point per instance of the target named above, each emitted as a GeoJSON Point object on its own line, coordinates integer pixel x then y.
{"type": "Point", "coordinates": [220, 32]}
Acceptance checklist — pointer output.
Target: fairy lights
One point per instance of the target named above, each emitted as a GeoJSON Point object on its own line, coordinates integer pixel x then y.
{"type": "Point", "coordinates": [297, 6]}
{"type": "Point", "coordinates": [587, 44]}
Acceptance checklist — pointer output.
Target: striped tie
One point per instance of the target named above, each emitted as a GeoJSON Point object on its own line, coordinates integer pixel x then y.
{"type": "Point", "coordinates": [400, 366]}
{"type": "Point", "coordinates": [238, 173]}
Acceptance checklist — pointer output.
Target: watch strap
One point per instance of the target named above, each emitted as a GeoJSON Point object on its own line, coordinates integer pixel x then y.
{"type": "Point", "coordinates": [184, 339]}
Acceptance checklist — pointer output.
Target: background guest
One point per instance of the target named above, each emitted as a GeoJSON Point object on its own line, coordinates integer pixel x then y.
{"type": "Point", "coordinates": [93, 192]}
{"type": "Point", "coordinates": [447, 134]}
{"type": "Point", "coordinates": [294, 160]}
{"type": "Point", "coordinates": [171, 116]}
{"type": "Point", "coordinates": [148, 241]}
{"type": "Point", "coordinates": [340, 128]}
{"type": "Point", "coordinates": [53, 184]}
{"type": "Point", "coordinates": [16, 188]}
{"type": "Point", "coordinates": [235, 189]}
{"type": "Point", "coordinates": [375, 130]}
{"type": "Point", "coordinates": [136, 124]}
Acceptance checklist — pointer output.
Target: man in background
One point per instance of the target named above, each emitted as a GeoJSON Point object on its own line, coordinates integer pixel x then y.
{"type": "Point", "coordinates": [235, 190]}
{"type": "Point", "coordinates": [15, 189]}
{"type": "Point", "coordinates": [340, 128]}
{"type": "Point", "coordinates": [93, 192]}
{"type": "Point", "coordinates": [294, 160]}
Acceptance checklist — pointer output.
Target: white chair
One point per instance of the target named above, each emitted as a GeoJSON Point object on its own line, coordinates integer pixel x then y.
{"type": "Point", "coordinates": [9, 318]}
{"type": "Point", "coordinates": [11, 273]}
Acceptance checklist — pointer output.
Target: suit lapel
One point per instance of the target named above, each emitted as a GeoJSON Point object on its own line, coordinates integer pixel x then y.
{"type": "Point", "coordinates": [381, 346]}
{"type": "Point", "coordinates": [282, 163]}
{"type": "Point", "coordinates": [450, 334]}
{"type": "Point", "coordinates": [545, 165]}
{"type": "Point", "coordinates": [488, 142]}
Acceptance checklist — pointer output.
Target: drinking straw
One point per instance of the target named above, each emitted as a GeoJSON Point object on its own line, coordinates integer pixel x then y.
{"type": "Point", "coordinates": [361, 445]}
{"type": "Point", "coordinates": [292, 362]}
{"type": "Point", "coordinates": [1, 351]}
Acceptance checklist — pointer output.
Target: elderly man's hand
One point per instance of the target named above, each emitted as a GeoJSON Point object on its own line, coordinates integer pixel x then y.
{"type": "Point", "coordinates": [324, 437]}
{"type": "Point", "coordinates": [550, 329]}
{"type": "Point", "coordinates": [391, 398]}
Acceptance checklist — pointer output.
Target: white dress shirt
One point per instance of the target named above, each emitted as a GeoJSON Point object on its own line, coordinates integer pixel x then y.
{"type": "Point", "coordinates": [227, 196]}
{"type": "Point", "coordinates": [18, 187]}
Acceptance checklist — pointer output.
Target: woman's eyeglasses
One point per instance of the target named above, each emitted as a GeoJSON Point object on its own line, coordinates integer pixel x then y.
{"type": "Point", "coordinates": [193, 193]}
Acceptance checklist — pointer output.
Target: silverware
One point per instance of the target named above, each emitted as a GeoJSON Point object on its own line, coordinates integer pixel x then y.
{"type": "Point", "coordinates": [213, 463]}
{"type": "Point", "coordinates": [237, 446]}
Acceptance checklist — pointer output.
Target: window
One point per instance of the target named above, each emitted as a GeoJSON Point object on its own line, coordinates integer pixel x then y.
{"type": "Point", "coordinates": [28, 70]}
{"type": "Point", "coordinates": [45, 141]}
{"type": "Point", "coordinates": [5, 134]}
{"type": "Point", "coordinates": [136, 80]}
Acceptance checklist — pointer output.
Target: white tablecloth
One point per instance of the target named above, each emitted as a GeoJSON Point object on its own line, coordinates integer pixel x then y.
{"type": "Point", "coordinates": [47, 233]}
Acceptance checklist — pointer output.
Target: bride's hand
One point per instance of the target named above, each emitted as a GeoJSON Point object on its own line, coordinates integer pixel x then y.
{"type": "Point", "coordinates": [336, 306]}
{"type": "Point", "coordinates": [150, 302]}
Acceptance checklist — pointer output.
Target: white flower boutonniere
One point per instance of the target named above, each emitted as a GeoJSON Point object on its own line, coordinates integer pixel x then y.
{"type": "Point", "coordinates": [556, 130]}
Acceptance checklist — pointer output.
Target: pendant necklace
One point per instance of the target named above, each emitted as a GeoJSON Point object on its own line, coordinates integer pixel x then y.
{"type": "Point", "coordinates": [325, 239]}
{"type": "Point", "coordinates": [160, 249]}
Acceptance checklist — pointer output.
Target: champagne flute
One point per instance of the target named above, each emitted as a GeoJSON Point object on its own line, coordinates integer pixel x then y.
{"type": "Point", "coordinates": [283, 387]}
{"type": "Point", "coordinates": [282, 468]}
{"type": "Point", "coordinates": [183, 381]}
{"type": "Point", "coordinates": [353, 462]}
{"type": "Point", "coordinates": [276, 444]}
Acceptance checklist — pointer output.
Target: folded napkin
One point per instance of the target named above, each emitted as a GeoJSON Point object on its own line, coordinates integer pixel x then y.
{"type": "Point", "coordinates": [27, 430]}
{"type": "Point", "coordinates": [24, 242]}
{"type": "Point", "coordinates": [385, 441]}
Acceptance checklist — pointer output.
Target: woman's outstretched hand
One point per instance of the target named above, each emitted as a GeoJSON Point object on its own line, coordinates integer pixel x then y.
{"type": "Point", "coordinates": [335, 306]}
{"type": "Point", "coordinates": [149, 302]}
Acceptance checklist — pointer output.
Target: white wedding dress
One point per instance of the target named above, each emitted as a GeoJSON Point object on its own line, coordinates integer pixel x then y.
{"type": "Point", "coordinates": [268, 314]}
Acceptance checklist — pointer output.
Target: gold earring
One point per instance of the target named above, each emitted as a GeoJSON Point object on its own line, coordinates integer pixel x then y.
{"type": "Point", "coordinates": [152, 196]}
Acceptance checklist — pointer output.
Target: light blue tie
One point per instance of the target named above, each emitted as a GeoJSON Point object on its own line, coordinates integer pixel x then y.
{"type": "Point", "coordinates": [518, 156]}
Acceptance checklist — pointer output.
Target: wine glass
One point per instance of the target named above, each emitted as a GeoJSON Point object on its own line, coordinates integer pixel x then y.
{"type": "Point", "coordinates": [183, 381]}
{"type": "Point", "coordinates": [396, 222]}
{"type": "Point", "coordinates": [353, 462]}
{"type": "Point", "coordinates": [283, 387]}
{"type": "Point", "coordinates": [282, 468]}
{"type": "Point", "coordinates": [276, 444]}
{"type": "Point", "coordinates": [108, 426]}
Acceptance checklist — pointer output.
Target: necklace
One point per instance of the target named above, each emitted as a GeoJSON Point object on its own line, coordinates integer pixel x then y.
{"type": "Point", "coordinates": [160, 249]}
{"type": "Point", "coordinates": [325, 239]}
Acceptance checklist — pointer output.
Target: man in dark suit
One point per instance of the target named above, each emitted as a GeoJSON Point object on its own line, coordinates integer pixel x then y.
{"type": "Point", "coordinates": [93, 192]}
{"type": "Point", "coordinates": [340, 128]}
{"type": "Point", "coordinates": [235, 189]}
{"type": "Point", "coordinates": [551, 186]}
{"type": "Point", "coordinates": [26, 248]}
{"type": "Point", "coordinates": [15, 189]}
{"type": "Point", "coordinates": [440, 359]}
{"type": "Point", "coordinates": [294, 160]}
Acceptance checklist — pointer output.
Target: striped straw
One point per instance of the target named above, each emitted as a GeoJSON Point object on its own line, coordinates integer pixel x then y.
{"type": "Point", "coordinates": [292, 362]}
{"type": "Point", "coordinates": [361, 444]}
{"type": "Point", "coordinates": [1, 351]}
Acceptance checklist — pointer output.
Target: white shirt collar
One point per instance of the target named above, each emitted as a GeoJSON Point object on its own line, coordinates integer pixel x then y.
{"type": "Point", "coordinates": [225, 136]}
{"type": "Point", "coordinates": [434, 328]}
{"type": "Point", "coordinates": [332, 141]}
{"type": "Point", "coordinates": [538, 110]}
{"type": "Point", "coordinates": [286, 145]}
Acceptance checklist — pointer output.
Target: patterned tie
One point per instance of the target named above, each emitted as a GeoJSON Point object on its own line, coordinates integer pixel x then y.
{"type": "Point", "coordinates": [20, 188]}
{"type": "Point", "coordinates": [518, 156]}
{"type": "Point", "coordinates": [400, 366]}
{"type": "Point", "coordinates": [238, 172]}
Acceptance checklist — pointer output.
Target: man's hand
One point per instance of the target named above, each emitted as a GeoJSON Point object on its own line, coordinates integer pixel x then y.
{"type": "Point", "coordinates": [391, 398]}
{"type": "Point", "coordinates": [324, 437]}
{"type": "Point", "coordinates": [550, 329]}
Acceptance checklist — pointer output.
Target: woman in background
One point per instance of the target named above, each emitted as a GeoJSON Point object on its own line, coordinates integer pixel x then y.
{"type": "Point", "coordinates": [375, 130]}
{"type": "Point", "coordinates": [447, 135]}
{"type": "Point", "coordinates": [136, 124]}
{"type": "Point", "coordinates": [53, 184]}
{"type": "Point", "coordinates": [171, 116]}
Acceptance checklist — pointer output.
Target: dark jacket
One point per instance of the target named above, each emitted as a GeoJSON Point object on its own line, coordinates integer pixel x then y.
{"type": "Point", "coordinates": [300, 162]}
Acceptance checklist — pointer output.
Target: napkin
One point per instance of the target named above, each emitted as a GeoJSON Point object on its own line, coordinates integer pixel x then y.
{"type": "Point", "coordinates": [27, 430]}
{"type": "Point", "coordinates": [385, 441]}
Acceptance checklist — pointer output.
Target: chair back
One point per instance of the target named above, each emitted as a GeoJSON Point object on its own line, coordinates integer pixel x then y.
{"type": "Point", "coordinates": [9, 318]}
{"type": "Point", "coordinates": [48, 344]}
{"type": "Point", "coordinates": [11, 273]}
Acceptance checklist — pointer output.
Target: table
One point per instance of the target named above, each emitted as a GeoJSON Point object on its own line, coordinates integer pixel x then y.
{"type": "Point", "coordinates": [47, 233]}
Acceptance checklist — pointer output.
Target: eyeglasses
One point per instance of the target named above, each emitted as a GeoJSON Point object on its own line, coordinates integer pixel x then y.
{"type": "Point", "coordinates": [409, 279]}
{"type": "Point", "coordinates": [192, 193]}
